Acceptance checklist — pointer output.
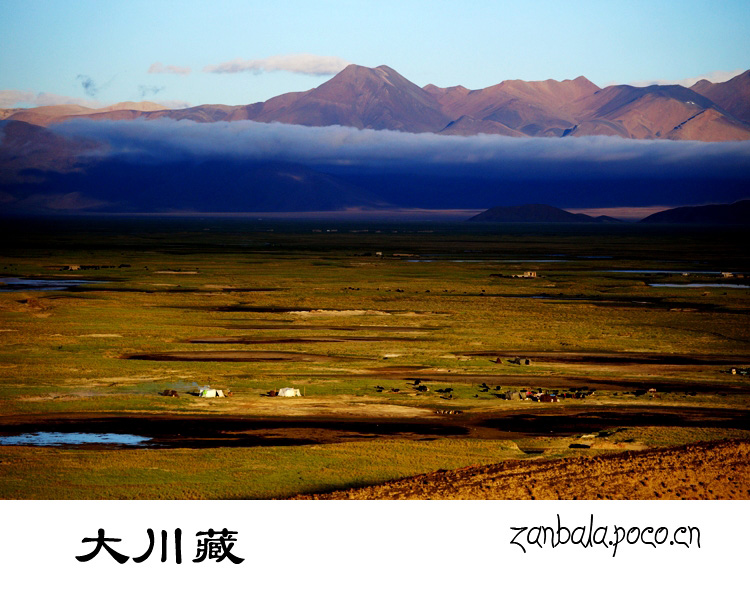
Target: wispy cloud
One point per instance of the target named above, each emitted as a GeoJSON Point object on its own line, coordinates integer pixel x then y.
{"type": "Point", "coordinates": [713, 77]}
{"type": "Point", "coordinates": [149, 90]}
{"type": "Point", "coordinates": [89, 87]}
{"type": "Point", "coordinates": [24, 99]}
{"type": "Point", "coordinates": [11, 98]}
{"type": "Point", "coordinates": [307, 64]}
{"type": "Point", "coordinates": [159, 68]}
{"type": "Point", "coordinates": [174, 104]}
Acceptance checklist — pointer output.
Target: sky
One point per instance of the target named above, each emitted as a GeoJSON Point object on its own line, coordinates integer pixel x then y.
{"type": "Point", "coordinates": [190, 52]}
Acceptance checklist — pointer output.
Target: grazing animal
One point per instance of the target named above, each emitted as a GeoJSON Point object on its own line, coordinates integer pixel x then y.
{"type": "Point", "coordinates": [547, 398]}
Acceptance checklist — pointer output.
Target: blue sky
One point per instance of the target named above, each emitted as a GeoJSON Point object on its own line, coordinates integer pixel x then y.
{"type": "Point", "coordinates": [100, 52]}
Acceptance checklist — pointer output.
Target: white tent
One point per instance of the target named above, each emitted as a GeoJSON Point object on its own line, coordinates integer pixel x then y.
{"type": "Point", "coordinates": [289, 392]}
{"type": "Point", "coordinates": [207, 392]}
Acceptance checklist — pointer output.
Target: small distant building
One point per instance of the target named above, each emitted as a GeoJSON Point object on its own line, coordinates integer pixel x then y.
{"type": "Point", "coordinates": [529, 274]}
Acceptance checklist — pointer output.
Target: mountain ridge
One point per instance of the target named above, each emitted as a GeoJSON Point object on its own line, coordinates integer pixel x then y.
{"type": "Point", "coordinates": [536, 213]}
{"type": "Point", "coordinates": [735, 213]}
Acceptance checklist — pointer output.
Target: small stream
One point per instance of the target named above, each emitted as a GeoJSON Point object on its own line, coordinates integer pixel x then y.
{"type": "Point", "coordinates": [53, 438]}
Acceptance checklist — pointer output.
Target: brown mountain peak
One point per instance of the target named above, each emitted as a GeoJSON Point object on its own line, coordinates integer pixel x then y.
{"type": "Point", "coordinates": [362, 97]}
{"type": "Point", "coordinates": [364, 79]}
{"type": "Point", "coordinates": [732, 96]}
{"type": "Point", "coordinates": [453, 91]}
{"type": "Point", "coordinates": [585, 83]}
{"type": "Point", "coordinates": [353, 71]}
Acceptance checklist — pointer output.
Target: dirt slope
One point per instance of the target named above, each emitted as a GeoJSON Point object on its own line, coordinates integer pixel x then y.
{"type": "Point", "coordinates": [704, 471]}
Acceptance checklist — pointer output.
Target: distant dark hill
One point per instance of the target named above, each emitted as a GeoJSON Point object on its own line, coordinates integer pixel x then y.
{"type": "Point", "coordinates": [535, 213]}
{"type": "Point", "coordinates": [25, 146]}
{"type": "Point", "coordinates": [737, 213]}
{"type": "Point", "coordinates": [187, 187]}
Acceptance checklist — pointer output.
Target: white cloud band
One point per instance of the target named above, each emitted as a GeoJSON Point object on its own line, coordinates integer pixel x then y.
{"type": "Point", "coordinates": [164, 140]}
{"type": "Point", "coordinates": [159, 68]}
{"type": "Point", "coordinates": [306, 64]}
{"type": "Point", "coordinates": [713, 77]}
{"type": "Point", "coordinates": [22, 98]}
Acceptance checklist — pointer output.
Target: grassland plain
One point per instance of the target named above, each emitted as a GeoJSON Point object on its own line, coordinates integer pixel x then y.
{"type": "Point", "coordinates": [353, 314]}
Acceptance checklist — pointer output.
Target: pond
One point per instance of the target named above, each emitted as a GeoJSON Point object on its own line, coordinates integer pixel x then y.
{"type": "Point", "coordinates": [52, 438]}
{"type": "Point", "coordinates": [15, 284]}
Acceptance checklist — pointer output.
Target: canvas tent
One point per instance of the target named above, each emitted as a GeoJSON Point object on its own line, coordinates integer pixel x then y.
{"type": "Point", "coordinates": [289, 392]}
{"type": "Point", "coordinates": [207, 392]}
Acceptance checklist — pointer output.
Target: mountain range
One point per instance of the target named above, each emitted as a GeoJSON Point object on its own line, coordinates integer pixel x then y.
{"type": "Point", "coordinates": [381, 98]}
{"type": "Point", "coordinates": [536, 213]}
{"type": "Point", "coordinates": [280, 156]}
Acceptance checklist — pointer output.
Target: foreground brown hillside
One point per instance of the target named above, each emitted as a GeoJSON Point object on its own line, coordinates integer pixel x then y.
{"type": "Point", "coordinates": [703, 471]}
